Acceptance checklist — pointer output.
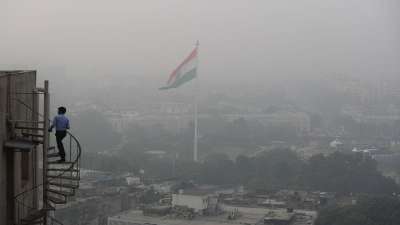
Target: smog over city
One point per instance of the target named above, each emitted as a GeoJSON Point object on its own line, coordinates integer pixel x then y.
{"type": "Point", "coordinates": [200, 112]}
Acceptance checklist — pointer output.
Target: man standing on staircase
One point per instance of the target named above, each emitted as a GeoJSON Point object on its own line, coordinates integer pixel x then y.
{"type": "Point", "coordinates": [61, 123]}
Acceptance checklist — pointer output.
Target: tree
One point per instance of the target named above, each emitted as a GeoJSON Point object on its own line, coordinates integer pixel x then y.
{"type": "Point", "coordinates": [218, 169]}
{"type": "Point", "coordinates": [367, 211]}
{"type": "Point", "coordinates": [346, 173]}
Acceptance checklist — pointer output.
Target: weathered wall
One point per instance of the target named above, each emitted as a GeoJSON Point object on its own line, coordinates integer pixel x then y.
{"type": "Point", "coordinates": [17, 82]}
{"type": "Point", "coordinates": [197, 203]}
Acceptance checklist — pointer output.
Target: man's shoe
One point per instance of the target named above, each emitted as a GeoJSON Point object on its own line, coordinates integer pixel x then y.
{"type": "Point", "coordinates": [61, 160]}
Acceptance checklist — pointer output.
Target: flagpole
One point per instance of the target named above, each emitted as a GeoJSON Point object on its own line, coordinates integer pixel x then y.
{"type": "Point", "coordinates": [196, 130]}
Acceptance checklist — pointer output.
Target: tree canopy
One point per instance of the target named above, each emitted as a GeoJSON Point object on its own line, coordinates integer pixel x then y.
{"type": "Point", "coordinates": [367, 211]}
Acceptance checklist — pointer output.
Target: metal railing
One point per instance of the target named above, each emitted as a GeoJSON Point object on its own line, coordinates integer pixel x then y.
{"type": "Point", "coordinates": [26, 202]}
{"type": "Point", "coordinates": [72, 170]}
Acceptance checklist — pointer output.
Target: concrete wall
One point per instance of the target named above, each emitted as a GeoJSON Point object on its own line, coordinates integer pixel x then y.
{"type": "Point", "coordinates": [195, 202]}
{"type": "Point", "coordinates": [14, 81]}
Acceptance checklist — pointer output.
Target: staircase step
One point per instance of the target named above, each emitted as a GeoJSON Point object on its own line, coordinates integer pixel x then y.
{"type": "Point", "coordinates": [64, 185]}
{"type": "Point", "coordinates": [61, 192]}
{"type": "Point", "coordinates": [33, 135]}
{"type": "Point", "coordinates": [56, 200]}
{"type": "Point", "coordinates": [60, 163]}
{"type": "Point", "coordinates": [51, 148]}
{"type": "Point", "coordinates": [26, 121]}
{"type": "Point", "coordinates": [34, 215]}
{"type": "Point", "coordinates": [49, 208]}
{"type": "Point", "coordinates": [53, 155]}
{"type": "Point", "coordinates": [65, 177]}
{"type": "Point", "coordinates": [36, 222]}
{"type": "Point", "coordinates": [29, 128]}
{"type": "Point", "coordinates": [37, 141]}
{"type": "Point", "coordinates": [63, 170]}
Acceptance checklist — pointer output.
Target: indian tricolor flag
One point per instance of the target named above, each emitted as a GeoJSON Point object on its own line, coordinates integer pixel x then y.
{"type": "Point", "coordinates": [185, 72]}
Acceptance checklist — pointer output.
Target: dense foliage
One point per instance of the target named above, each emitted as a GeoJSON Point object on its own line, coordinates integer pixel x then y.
{"type": "Point", "coordinates": [268, 169]}
{"type": "Point", "coordinates": [271, 170]}
{"type": "Point", "coordinates": [346, 173]}
{"type": "Point", "coordinates": [281, 168]}
{"type": "Point", "coordinates": [216, 136]}
{"type": "Point", "coordinates": [367, 211]}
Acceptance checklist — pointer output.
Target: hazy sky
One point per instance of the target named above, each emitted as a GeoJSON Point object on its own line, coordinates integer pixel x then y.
{"type": "Point", "coordinates": [246, 40]}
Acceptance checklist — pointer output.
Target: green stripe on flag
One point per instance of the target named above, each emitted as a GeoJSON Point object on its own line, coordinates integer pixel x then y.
{"type": "Point", "coordinates": [190, 75]}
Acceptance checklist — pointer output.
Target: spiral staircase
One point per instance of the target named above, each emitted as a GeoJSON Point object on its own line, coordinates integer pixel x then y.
{"type": "Point", "coordinates": [59, 180]}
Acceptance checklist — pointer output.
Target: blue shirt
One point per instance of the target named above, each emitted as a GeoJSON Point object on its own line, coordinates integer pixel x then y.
{"type": "Point", "coordinates": [60, 122]}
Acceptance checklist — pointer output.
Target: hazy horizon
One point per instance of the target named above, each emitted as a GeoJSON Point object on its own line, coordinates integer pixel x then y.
{"type": "Point", "coordinates": [240, 42]}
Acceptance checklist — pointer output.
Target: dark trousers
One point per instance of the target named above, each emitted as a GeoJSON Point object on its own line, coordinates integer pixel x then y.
{"type": "Point", "coordinates": [60, 135]}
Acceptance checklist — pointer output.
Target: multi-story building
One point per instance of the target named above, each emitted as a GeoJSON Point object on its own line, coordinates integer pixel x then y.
{"type": "Point", "coordinates": [32, 181]}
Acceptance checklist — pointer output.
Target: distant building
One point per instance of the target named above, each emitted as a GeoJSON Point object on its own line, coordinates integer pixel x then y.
{"type": "Point", "coordinates": [156, 154]}
{"type": "Point", "coordinates": [164, 187]}
{"type": "Point", "coordinates": [272, 203]}
{"type": "Point", "coordinates": [278, 218]}
{"type": "Point", "coordinates": [201, 203]}
{"type": "Point", "coordinates": [131, 180]}
{"type": "Point", "coordinates": [366, 151]}
{"type": "Point", "coordinates": [299, 121]}
{"type": "Point", "coordinates": [335, 143]}
{"type": "Point", "coordinates": [326, 199]}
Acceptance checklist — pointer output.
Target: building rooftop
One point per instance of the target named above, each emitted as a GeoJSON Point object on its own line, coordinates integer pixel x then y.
{"type": "Point", "coordinates": [203, 190]}
{"type": "Point", "coordinates": [247, 216]}
{"type": "Point", "coordinates": [279, 215]}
